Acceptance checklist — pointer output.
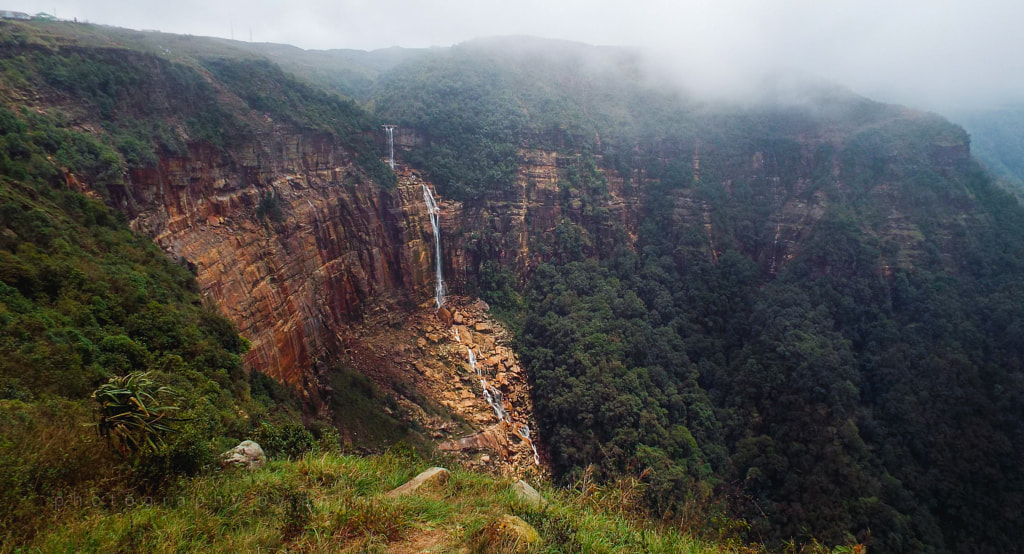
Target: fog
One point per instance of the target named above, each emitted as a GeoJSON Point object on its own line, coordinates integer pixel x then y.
{"type": "Point", "coordinates": [932, 54]}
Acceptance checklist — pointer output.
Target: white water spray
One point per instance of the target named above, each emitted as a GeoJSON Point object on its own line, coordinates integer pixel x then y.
{"type": "Point", "coordinates": [496, 401]}
{"type": "Point", "coordinates": [491, 395]}
{"type": "Point", "coordinates": [435, 223]}
{"type": "Point", "coordinates": [524, 432]}
{"type": "Point", "coordinates": [390, 130]}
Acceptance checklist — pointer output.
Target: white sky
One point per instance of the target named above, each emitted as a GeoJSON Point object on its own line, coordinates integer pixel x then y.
{"type": "Point", "coordinates": [928, 53]}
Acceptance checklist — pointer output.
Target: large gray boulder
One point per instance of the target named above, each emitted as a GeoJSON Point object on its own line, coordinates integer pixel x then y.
{"type": "Point", "coordinates": [248, 454]}
{"type": "Point", "coordinates": [431, 477]}
{"type": "Point", "coordinates": [529, 495]}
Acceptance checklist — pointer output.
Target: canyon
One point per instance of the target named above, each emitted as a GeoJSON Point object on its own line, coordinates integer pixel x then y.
{"type": "Point", "coordinates": [767, 305]}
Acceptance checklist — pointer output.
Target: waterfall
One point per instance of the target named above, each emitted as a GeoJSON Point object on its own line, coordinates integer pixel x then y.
{"type": "Point", "coordinates": [390, 130]}
{"type": "Point", "coordinates": [491, 395]}
{"type": "Point", "coordinates": [435, 222]}
{"type": "Point", "coordinates": [496, 401]}
{"type": "Point", "coordinates": [524, 432]}
{"type": "Point", "coordinates": [312, 208]}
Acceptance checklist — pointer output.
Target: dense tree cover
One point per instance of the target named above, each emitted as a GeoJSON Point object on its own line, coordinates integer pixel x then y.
{"type": "Point", "coordinates": [858, 381]}
{"type": "Point", "coordinates": [843, 402]}
{"type": "Point", "coordinates": [149, 106]}
{"type": "Point", "coordinates": [470, 146]}
{"type": "Point", "coordinates": [267, 89]}
{"type": "Point", "coordinates": [134, 96]}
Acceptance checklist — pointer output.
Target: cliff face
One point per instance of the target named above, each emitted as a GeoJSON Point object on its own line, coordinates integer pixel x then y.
{"type": "Point", "coordinates": [295, 246]}
{"type": "Point", "coordinates": [288, 241]}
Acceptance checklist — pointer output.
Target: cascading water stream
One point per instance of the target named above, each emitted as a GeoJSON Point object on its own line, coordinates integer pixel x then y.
{"type": "Point", "coordinates": [491, 395]}
{"type": "Point", "coordinates": [524, 432]}
{"type": "Point", "coordinates": [496, 401]}
{"type": "Point", "coordinates": [435, 223]}
{"type": "Point", "coordinates": [390, 130]}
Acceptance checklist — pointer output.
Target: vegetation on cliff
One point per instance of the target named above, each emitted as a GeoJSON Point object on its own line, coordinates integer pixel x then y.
{"type": "Point", "coordinates": [816, 326]}
{"type": "Point", "coordinates": [849, 371]}
{"type": "Point", "coordinates": [83, 300]}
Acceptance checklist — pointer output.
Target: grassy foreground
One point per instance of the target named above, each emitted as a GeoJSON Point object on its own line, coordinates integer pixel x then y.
{"type": "Point", "coordinates": [334, 502]}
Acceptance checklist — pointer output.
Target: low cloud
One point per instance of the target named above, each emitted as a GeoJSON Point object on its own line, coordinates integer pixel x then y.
{"type": "Point", "coordinates": [927, 53]}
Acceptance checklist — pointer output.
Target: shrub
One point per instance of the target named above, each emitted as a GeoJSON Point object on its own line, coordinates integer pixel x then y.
{"type": "Point", "coordinates": [129, 415]}
{"type": "Point", "coordinates": [289, 440]}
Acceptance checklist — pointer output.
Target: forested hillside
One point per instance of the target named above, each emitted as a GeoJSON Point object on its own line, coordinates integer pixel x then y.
{"type": "Point", "coordinates": [818, 325]}
{"type": "Point", "coordinates": [117, 377]}
{"type": "Point", "coordinates": [802, 313]}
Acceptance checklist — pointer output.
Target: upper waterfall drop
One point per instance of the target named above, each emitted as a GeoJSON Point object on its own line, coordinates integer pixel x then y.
{"type": "Point", "coordinates": [390, 130]}
{"type": "Point", "coordinates": [435, 222]}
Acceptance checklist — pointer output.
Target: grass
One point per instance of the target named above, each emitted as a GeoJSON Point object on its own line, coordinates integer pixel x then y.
{"type": "Point", "coordinates": [334, 502]}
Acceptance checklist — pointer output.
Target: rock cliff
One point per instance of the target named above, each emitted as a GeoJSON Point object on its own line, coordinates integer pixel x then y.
{"type": "Point", "coordinates": [288, 240]}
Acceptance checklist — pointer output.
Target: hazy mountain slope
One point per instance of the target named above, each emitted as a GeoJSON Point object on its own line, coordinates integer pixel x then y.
{"type": "Point", "coordinates": [997, 139]}
{"type": "Point", "coordinates": [818, 311]}
{"type": "Point", "coordinates": [804, 310]}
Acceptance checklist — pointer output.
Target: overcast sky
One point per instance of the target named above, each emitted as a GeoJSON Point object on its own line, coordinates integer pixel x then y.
{"type": "Point", "coordinates": [928, 53]}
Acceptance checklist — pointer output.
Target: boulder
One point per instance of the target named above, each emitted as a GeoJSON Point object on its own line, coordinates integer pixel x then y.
{"type": "Point", "coordinates": [248, 454]}
{"type": "Point", "coordinates": [445, 317]}
{"type": "Point", "coordinates": [529, 495]}
{"type": "Point", "coordinates": [493, 438]}
{"type": "Point", "coordinates": [431, 477]}
{"type": "Point", "coordinates": [508, 534]}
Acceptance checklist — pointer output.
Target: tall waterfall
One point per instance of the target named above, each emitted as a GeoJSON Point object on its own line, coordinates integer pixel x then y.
{"type": "Point", "coordinates": [435, 222]}
{"type": "Point", "coordinates": [390, 130]}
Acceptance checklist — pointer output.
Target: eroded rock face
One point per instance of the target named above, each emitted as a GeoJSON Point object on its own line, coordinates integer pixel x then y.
{"type": "Point", "coordinates": [290, 242]}
{"type": "Point", "coordinates": [313, 263]}
{"type": "Point", "coordinates": [422, 358]}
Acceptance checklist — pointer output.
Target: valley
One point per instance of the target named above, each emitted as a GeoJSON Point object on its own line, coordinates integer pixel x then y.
{"type": "Point", "coordinates": [775, 323]}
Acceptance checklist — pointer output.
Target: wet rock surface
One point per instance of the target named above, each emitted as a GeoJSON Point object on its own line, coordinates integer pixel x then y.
{"type": "Point", "coordinates": [440, 392]}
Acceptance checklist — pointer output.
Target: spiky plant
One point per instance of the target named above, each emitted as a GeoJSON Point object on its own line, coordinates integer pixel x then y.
{"type": "Point", "coordinates": [130, 417]}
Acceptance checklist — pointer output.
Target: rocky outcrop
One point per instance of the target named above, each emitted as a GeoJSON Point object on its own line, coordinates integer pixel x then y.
{"type": "Point", "coordinates": [416, 357]}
